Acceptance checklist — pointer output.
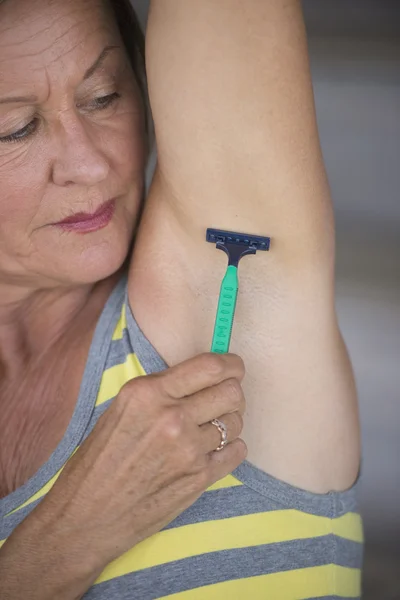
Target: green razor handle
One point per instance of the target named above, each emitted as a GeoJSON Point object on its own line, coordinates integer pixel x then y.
{"type": "Point", "coordinates": [225, 311]}
{"type": "Point", "coordinates": [235, 245]}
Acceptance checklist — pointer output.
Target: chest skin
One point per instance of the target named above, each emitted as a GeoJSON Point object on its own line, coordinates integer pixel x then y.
{"type": "Point", "coordinates": [39, 392]}
{"type": "Point", "coordinates": [35, 411]}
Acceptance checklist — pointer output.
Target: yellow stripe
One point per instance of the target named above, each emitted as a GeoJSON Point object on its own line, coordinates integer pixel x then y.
{"type": "Point", "coordinates": [212, 536]}
{"type": "Point", "coordinates": [121, 325]}
{"type": "Point", "coordinates": [115, 377]}
{"type": "Point", "coordinates": [43, 490]}
{"type": "Point", "coordinates": [349, 527]}
{"type": "Point", "coordinates": [328, 580]}
{"type": "Point", "coordinates": [227, 482]}
{"type": "Point", "coordinates": [2, 542]}
{"type": "Point", "coordinates": [39, 494]}
{"type": "Point", "coordinates": [299, 584]}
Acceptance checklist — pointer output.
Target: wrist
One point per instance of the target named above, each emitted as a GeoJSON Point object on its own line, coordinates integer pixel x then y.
{"type": "Point", "coordinates": [43, 560]}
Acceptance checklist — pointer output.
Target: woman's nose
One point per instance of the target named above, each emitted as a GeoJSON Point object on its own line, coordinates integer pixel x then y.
{"type": "Point", "coordinates": [80, 158]}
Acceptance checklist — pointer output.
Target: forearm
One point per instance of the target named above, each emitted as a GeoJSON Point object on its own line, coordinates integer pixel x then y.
{"type": "Point", "coordinates": [43, 562]}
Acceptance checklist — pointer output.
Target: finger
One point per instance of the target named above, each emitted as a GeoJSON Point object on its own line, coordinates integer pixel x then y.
{"type": "Point", "coordinates": [189, 488]}
{"type": "Point", "coordinates": [208, 404]}
{"type": "Point", "coordinates": [224, 462]}
{"type": "Point", "coordinates": [211, 437]}
{"type": "Point", "coordinates": [201, 372]}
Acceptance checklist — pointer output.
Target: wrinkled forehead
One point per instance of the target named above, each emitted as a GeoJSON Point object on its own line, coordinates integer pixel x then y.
{"type": "Point", "coordinates": [52, 35]}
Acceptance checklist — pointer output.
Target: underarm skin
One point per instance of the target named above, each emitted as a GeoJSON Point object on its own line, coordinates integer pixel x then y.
{"type": "Point", "coordinates": [238, 147]}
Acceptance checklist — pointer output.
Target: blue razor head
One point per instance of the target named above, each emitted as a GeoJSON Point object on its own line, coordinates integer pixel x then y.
{"type": "Point", "coordinates": [255, 242]}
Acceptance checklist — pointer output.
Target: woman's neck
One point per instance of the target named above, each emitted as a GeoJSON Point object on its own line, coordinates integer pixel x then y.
{"type": "Point", "coordinates": [33, 320]}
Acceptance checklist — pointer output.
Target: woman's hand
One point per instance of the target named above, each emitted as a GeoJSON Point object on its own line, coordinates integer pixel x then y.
{"type": "Point", "coordinates": [150, 456]}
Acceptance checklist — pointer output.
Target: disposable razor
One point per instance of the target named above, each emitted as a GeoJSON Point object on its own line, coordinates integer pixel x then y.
{"type": "Point", "coordinates": [235, 245]}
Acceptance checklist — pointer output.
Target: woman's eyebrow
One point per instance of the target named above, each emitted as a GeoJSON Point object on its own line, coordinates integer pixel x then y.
{"type": "Point", "coordinates": [31, 99]}
{"type": "Point", "coordinates": [98, 62]}
{"type": "Point", "coordinates": [19, 99]}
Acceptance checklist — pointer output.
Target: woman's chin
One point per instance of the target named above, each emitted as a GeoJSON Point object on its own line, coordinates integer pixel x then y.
{"type": "Point", "coordinates": [99, 265]}
{"type": "Point", "coordinates": [83, 252]}
{"type": "Point", "coordinates": [91, 260]}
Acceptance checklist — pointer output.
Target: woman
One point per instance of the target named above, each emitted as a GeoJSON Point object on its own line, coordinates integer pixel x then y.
{"type": "Point", "coordinates": [111, 484]}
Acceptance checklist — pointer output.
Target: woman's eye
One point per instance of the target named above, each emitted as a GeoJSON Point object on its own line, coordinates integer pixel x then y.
{"type": "Point", "coordinates": [21, 134]}
{"type": "Point", "coordinates": [104, 101]}
{"type": "Point", "coordinates": [100, 103]}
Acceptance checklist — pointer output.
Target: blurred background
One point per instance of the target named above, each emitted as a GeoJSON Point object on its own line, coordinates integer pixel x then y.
{"type": "Point", "coordinates": [355, 61]}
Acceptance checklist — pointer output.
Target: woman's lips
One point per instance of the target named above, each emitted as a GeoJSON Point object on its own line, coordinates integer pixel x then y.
{"type": "Point", "coordinates": [86, 222]}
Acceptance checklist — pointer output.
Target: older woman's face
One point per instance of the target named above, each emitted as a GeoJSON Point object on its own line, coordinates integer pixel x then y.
{"type": "Point", "coordinates": [71, 143]}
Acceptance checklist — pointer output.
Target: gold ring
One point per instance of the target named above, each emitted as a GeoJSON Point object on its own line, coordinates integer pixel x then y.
{"type": "Point", "coordinates": [223, 431]}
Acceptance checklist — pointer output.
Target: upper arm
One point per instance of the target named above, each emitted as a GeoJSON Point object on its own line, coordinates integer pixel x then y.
{"type": "Point", "coordinates": [232, 100]}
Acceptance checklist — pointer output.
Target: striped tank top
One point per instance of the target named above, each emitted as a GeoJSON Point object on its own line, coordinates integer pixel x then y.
{"type": "Point", "coordinates": [248, 536]}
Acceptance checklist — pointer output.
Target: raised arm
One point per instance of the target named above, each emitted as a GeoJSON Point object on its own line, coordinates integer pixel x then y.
{"type": "Point", "coordinates": [232, 100]}
{"type": "Point", "coordinates": [233, 107]}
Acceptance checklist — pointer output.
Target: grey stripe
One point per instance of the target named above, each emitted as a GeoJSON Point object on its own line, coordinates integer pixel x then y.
{"type": "Point", "coordinates": [148, 356]}
{"type": "Point", "coordinates": [216, 567]}
{"type": "Point", "coordinates": [97, 413]}
{"type": "Point", "coordinates": [84, 406]}
{"type": "Point", "coordinates": [224, 504]}
{"type": "Point", "coordinates": [330, 505]}
{"type": "Point", "coordinates": [119, 349]}
{"type": "Point", "coordinates": [117, 355]}
{"type": "Point", "coordinates": [9, 523]}
{"type": "Point", "coordinates": [348, 553]}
